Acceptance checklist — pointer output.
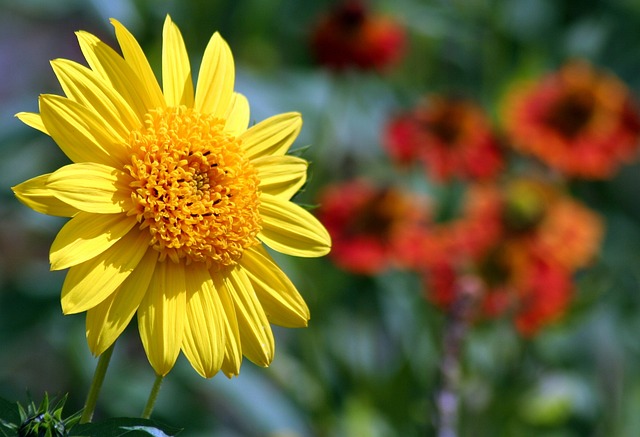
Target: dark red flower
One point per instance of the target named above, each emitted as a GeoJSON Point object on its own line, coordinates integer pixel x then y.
{"type": "Point", "coordinates": [352, 36]}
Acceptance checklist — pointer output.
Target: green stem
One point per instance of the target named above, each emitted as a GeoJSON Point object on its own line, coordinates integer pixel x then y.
{"type": "Point", "coordinates": [96, 384]}
{"type": "Point", "coordinates": [152, 397]}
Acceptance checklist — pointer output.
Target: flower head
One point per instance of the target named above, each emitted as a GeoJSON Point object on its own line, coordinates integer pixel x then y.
{"type": "Point", "coordinates": [450, 137]}
{"type": "Point", "coordinates": [171, 198]}
{"type": "Point", "coordinates": [580, 121]}
{"type": "Point", "coordinates": [523, 241]}
{"type": "Point", "coordinates": [351, 36]}
{"type": "Point", "coordinates": [369, 224]}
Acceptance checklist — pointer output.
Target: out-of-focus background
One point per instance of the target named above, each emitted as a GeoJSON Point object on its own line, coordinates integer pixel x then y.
{"type": "Point", "coordinates": [369, 364]}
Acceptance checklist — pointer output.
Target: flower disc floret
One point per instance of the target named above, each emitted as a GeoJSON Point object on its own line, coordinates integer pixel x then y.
{"type": "Point", "coordinates": [193, 188]}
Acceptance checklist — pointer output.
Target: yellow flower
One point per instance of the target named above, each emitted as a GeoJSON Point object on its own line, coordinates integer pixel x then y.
{"type": "Point", "coordinates": [171, 196]}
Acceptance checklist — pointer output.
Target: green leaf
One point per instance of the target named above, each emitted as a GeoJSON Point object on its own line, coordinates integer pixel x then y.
{"type": "Point", "coordinates": [9, 411]}
{"type": "Point", "coordinates": [9, 417]}
{"type": "Point", "coordinates": [124, 426]}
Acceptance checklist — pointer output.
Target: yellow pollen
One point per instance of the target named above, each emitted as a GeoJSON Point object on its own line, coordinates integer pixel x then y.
{"type": "Point", "coordinates": [193, 189]}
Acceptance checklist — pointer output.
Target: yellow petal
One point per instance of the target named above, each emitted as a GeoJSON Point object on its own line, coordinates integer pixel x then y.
{"type": "Point", "coordinates": [281, 176]}
{"type": "Point", "coordinates": [215, 78]}
{"type": "Point", "coordinates": [176, 70]}
{"type": "Point", "coordinates": [35, 194]}
{"type": "Point", "coordinates": [233, 348]}
{"type": "Point", "coordinates": [33, 120]}
{"type": "Point", "coordinates": [255, 332]}
{"type": "Point", "coordinates": [114, 69]}
{"type": "Point", "coordinates": [204, 336]}
{"type": "Point", "coordinates": [272, 136]}
{"type": "Point", "coordinates": [281, 301]}
{"type": "Point", "coordinates": [84, 86]}
{"type": "Point", "coordinates": [91, 282]}
{"type": "Point", "coordinates": [290, 229]}
{"type": "Point", "coordinates": [106, 321]}
{"type": "Point", "coordinates": [80, 133]}
{"type": "Point", "coordinates": [238, 115]}
{"type": "Point", "coordinates": [86, 236]}
{"type": "Point", "coordinates": [161, 316]}
{"type": "Point", "coordinates": [91, 187]}
{"type": "Point", "coordinates": [138, 62]}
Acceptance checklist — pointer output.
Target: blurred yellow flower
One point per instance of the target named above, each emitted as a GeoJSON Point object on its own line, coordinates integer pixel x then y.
{"type": "Point", "coordinates": [171, 196]}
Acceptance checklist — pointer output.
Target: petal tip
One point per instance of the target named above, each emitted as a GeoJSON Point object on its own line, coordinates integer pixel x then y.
{"type": "Point", "coordinates": [168, 21]}
{"type": "Point", "coordinates": [231, 375]}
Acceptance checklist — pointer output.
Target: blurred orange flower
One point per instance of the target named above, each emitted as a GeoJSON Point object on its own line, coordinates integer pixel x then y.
{"type": "Point", "coordinates": [368, 224]}
{"type": "Point", "coordinates": [571, 233]}
{"type": "Point", "coordinates": [579, 120]}
{"type": "Point", "coordinates": [451, 137]}
{"type": "Point", "coordinates": [352, 36]}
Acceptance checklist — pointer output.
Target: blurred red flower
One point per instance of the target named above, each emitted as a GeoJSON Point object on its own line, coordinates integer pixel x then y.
{"type": "Point", "coordinates": [352, 36]}
{"type": "Point", "coordinates": [367, 224]}
{"type": "Point", "coordinates": [543, 291]}
{"type": "Point", "coordinates": [464, 239]}
{"type": "Point", "coordinates": [579, 120]}
{"type": "Point", "coordinates": [524, 242]}
{"type": "Point", "coordinates": [450, 137]}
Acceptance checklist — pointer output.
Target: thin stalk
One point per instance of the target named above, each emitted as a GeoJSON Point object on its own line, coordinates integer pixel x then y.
{"type": "Point", "coordinates": [455, 330]}
{"type": "Point", "coordinates": [151, 402]}
{"type": "Point", "coordinates": [96, 385]}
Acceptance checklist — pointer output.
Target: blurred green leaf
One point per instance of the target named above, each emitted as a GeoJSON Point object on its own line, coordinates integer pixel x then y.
{"type": "Point", "coordinates": [9, 415]}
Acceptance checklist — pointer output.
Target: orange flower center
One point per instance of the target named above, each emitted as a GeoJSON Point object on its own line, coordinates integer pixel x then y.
{"type": "Point", "coordinates": [193, 188]}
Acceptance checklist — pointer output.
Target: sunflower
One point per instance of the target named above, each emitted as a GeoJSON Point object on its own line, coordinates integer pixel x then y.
{"type": "Point", "coordinates": [171, 199]}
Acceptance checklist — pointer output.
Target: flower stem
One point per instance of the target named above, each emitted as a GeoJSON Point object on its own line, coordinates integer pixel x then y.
{"type": "Point", "coordinates": [457, 324]}
{"type": "Point", "coordinates": [152, 397]}
{"type": "Point", "coordinates": [96, 384]}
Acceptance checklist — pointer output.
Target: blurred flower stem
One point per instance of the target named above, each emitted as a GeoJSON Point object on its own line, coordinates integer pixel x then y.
{"type": "Point", "coordinates": [96, 385]}
{"type": "Point", "coordinates": [148, 409]}
{"type": "Point", "coordinates": [455, 329]}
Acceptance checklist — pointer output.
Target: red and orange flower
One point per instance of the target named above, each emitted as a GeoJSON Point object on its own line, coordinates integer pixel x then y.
{"type": "Point", "coordinates": [533, 290]}
{"type": "Point", "coordinates": [579, 120]}
{"type": "Point", "coordinates": [368, 223]}
{"type": "Point", "coordinates": [524, 242]}
{"type": "Point", "coordinates": [352, 36]}
{"type": "Point", "coordinates": [451, 137]}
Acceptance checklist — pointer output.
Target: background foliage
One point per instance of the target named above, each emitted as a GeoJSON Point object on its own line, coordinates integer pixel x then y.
{"type": "Point", "coordinates": [368, 365]}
